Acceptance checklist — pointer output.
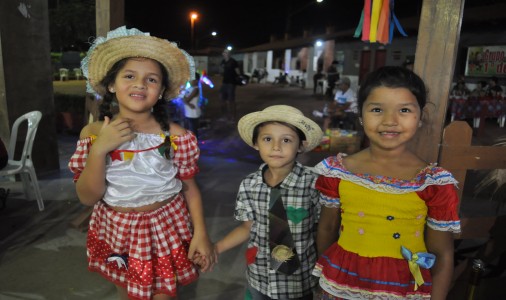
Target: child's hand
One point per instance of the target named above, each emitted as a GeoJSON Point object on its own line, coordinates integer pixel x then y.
{"type": "Point", "coordinates": [113, 134]}
{"type": "Point", "coordinates": [202, 250]}
{"type": "Point", "coordinates": [203, 263]}
{"type": "Point", "coordinates": [200, 261]}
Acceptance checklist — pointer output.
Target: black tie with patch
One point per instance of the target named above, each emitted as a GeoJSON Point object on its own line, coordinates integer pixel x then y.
{"type": "Point", "coordinates": [284, 258]}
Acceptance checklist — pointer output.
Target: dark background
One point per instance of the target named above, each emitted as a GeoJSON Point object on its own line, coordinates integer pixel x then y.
{"type": "Point", "coordinates": [239, 23]}
{"type": "Point", "coordinates": [247, 23]}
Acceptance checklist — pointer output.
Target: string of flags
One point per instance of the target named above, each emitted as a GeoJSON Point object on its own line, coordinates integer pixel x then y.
{"type": "Point", "coordinates": [378, 21]}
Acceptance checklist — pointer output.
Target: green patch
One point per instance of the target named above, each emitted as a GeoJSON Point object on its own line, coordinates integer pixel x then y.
{"type": "Point", "coordinates": [296, 215]}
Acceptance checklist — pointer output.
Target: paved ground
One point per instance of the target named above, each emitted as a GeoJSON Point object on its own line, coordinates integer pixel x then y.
{"type": "Point", "coordinates": [42, 257]}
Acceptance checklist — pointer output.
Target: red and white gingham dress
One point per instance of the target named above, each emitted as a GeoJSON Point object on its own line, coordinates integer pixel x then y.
{"type": "Point", "coordinates": [146, 252]}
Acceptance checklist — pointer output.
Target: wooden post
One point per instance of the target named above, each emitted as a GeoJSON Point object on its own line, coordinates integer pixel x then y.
{"type": "Point", "coordinates": [458, 156]}
{"type": "Point", "coordinates": [25, 76]}
{"type": "Point", "coordinates": [109, 14]}
{"type": "Point", "coordinates": [457, 134]}
{"type": "Point", "coordinates": [436, 50]}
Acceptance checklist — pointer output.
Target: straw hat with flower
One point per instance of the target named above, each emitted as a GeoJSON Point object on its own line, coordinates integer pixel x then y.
{"type": "Point", "coordinates": [281, 113]}
{"type": "Point", "coordinates": [123, 43]}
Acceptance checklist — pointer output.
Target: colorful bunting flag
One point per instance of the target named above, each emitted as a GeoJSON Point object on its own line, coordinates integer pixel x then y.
{"type": "Point", "coordinates": [378, 21]}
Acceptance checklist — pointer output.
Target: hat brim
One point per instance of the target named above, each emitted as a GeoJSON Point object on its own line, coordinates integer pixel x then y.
{"type": "Point", "coordinates": [311, 130]}
{"type": "Point", "coordinates": [174, 60]}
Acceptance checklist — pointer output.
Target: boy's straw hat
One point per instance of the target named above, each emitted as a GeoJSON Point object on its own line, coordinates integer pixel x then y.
{"type": "Point", "coordinates": [281, 113]}
{"type": "Point", "coordinates": [123, 43]}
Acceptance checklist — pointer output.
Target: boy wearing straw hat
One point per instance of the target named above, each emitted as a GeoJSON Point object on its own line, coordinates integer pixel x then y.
{"type": "Point", "coordinates": [278, 205]}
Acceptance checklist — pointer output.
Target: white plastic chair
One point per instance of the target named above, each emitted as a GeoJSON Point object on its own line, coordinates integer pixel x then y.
{"type": "Point", "coordinates": [78, 73]}
{"type": "Point", "coordinates": [24, 166]}
{"type": "Point", "coordinates": [64, 74]}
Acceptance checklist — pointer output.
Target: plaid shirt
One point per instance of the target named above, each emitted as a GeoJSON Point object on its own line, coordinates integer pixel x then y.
{"type": "Point", "coordinates": [300, 199]}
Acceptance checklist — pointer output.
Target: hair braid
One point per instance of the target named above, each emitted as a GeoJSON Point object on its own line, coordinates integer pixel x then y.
{"type": "Point", "coordinates": [162, 114]}
{"type": "Point", "coordinates": [105, 107]}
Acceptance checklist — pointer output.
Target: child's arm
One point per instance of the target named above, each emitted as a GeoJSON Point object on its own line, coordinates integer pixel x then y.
{"type": "Point", "coordinates": [440, 243]}
{"type": "Point", "coordinates": [200, 242]}
{"type": "Point", "coordinates": [328, 228]}
{"type": "Point", "coordinates": [91, 184]}
{"type": "Point", "coordinates": [236, 237]}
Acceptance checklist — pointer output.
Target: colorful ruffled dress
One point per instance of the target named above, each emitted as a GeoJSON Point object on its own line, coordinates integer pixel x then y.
{"type": "Point", "coordinates": [145, 252]}
{"type": "Point", "coordinates": [382, 230]}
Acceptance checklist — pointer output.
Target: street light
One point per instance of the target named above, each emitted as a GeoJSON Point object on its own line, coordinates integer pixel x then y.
{"type": "Point", "coordinates": [193, 17]}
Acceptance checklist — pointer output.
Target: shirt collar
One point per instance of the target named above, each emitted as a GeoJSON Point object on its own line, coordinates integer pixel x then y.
{"type": "Point", "coordinates": [289, 182]}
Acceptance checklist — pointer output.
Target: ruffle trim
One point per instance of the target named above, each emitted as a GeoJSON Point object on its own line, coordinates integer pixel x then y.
{"type": "Point", "coordinates": [451, 226]}
{"type": "Point", "coordinates": [87, 141]}
{"type": "Point", "coordinates": [329, 201]}
{"type": "Point", "coordinates": [346, 292]}
{"type": "Point", "coordinates": [175, 140]}
{"type": "Point", "coordinates": [179, 139]}
{"type": "Point", "coordinates": [430, 175]}
{"type": "Point", "coordinates": [351, 276]}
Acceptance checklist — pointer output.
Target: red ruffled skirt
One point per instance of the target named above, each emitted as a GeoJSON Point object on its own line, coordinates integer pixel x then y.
{"type": "Point", "coordinates": [348, 275]}
{"type": "Point", "coordinates": [145, 252]}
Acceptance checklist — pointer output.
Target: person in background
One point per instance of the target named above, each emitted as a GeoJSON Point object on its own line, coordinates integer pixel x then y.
{"type": "Point", "coordinates": [303, 79]}
{"type": "Point", "coordinates": [332, 78]}
{"type": "Point", "coordinates": [480, 90]}
{"type": "Point", "coordinates": [460, 88]}
{"type": "Point", "coordinates": [255, 76]}
{"type": "Point", "coordinates": [317, 76]}
{"type": "Point", "coordinates": [343, 110]}
{"type": "Point", "coordinates": [391, 213]}
{"type": "Point", "coordinates": [147, 233]}
{"type": "Point", "coordinates": [281, 79]}
{"type": "Point", "coordinates": [231, 71]}
{"type": "Point", "coordinates": [278, 206]}
{"type": "Point", "coordinates": [192, 111]}
{"type": "Point", "coordinates": [494, 89]}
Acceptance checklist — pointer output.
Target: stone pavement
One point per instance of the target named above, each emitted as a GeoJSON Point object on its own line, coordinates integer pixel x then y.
{"type": "Point", "coordinates": [42, 257]}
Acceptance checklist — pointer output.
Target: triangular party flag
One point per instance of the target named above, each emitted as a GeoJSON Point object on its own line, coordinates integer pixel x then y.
{"type": "Point", "coordinates": [115, 155]}
{"type": "Point", "coordinates": [128, 155]}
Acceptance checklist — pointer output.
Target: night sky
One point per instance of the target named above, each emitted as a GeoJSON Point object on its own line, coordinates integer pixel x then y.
{"type": "Point", "coordinates": [243, 23]}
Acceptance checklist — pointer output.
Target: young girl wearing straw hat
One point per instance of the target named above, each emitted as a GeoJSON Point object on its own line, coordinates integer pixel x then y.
{"type": "Point", "coordinates": [278, 205]}
{"type": "Point", "coordinates": [136, 168]}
